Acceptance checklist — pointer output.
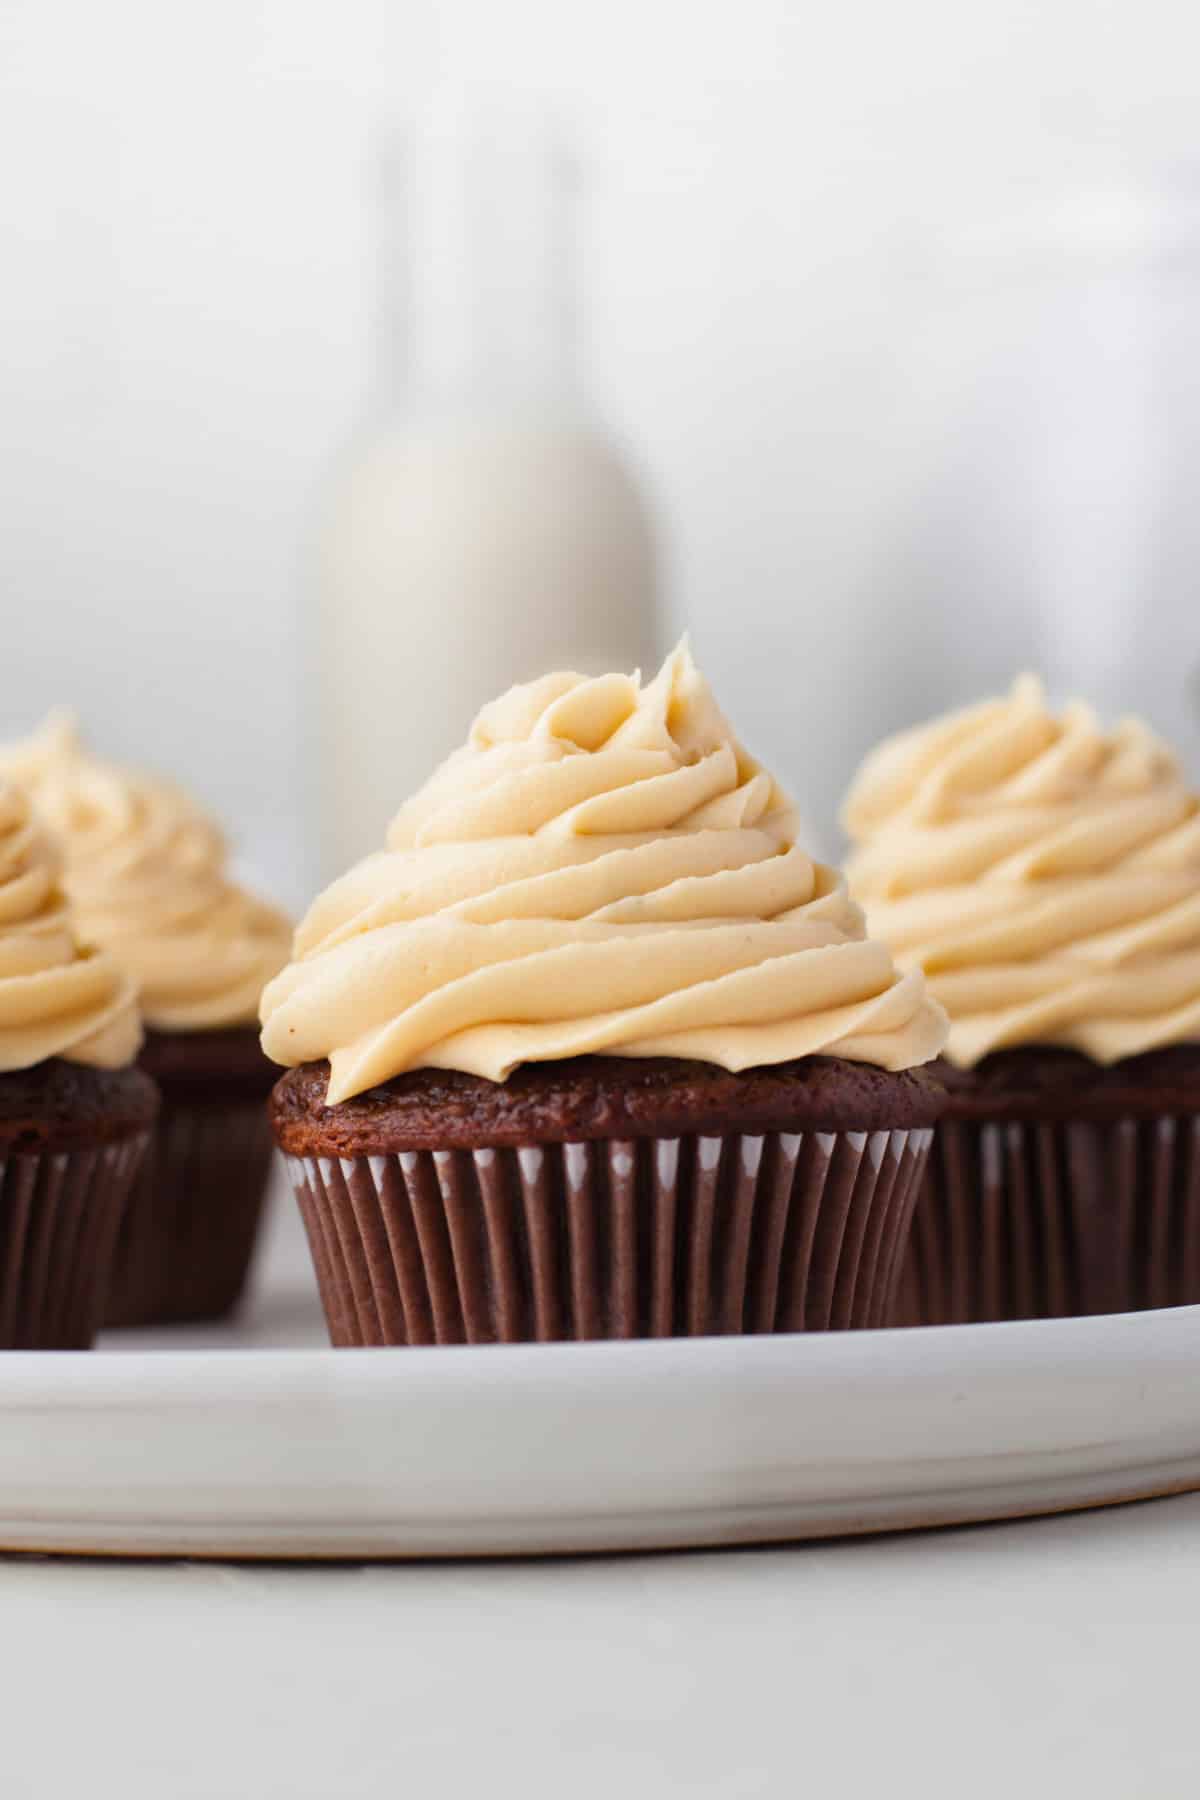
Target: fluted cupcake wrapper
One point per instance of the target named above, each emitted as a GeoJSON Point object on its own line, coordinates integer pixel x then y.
{"type": "Point", "coordinates": [59, 1216]}
{"type": "Point", "coordinates": [614, 1238]}
{"type": "Point", "coordinates": [1052, 1219]}
{"type": "Point", "coordinates": [189, 1231]}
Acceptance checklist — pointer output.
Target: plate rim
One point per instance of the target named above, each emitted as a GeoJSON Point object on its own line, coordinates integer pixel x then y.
{"type": "Point", "coordinates": [787, 1469]}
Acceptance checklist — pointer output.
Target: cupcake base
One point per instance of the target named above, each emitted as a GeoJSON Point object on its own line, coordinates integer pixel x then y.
{"type": "Point", "coordinates": [71, 1140]}
{"type": "Point", "coordinates": [1058, 1188]}
{"type": "Point", "coordinates": [577, 1233]}
{"type": "Point", "coordinates": [188, 1235]}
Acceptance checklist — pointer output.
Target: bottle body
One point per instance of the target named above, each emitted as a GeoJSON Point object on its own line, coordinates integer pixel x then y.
{"type": "Point", "coordinates": [463, 555]}
{"type": "Point", "coordinates": [487, 530]}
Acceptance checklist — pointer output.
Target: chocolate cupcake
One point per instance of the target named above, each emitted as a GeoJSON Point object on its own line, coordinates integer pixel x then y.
{"type": "Point", "coordinates": [75, 1116]}
{"type": "Point", "coordinates": [145, 871]}
{"type": "Point", "coordinates": [1045, 875]}
{"type": "Point", "coordinates": [594, 1049]}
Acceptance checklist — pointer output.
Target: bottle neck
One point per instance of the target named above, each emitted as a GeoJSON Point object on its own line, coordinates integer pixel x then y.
{"type": "Point", "coordinates": [478, 268]}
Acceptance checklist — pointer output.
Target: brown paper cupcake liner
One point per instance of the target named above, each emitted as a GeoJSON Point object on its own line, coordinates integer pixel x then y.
{"type": "Point", "coordinates": [1051, 1219]}
{"type": "Point", "coordinates": [59, 1216]}
{"type": "Point", "coordinates": [188, 1233]}
{"type": "Point", "coordinates": [613, 1238]}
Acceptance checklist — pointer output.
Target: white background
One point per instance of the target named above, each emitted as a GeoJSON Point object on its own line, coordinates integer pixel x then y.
{"type": "Point", "coordinates": [893, 306]}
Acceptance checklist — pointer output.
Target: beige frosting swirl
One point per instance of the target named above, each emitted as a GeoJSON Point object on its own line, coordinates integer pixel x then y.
{"type": "Point", "coordinates": [1043, 872]}
{"type": "Point", "coordinates": [145, 874]}
{"type": "Point", "coordinates": [55, 999]}
{"type": "Point", "coordinates": [601, 868]}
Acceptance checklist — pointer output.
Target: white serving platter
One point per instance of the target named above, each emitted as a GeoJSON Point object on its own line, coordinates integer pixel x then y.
{"type": "Point", "coordinates": [255, 1440]}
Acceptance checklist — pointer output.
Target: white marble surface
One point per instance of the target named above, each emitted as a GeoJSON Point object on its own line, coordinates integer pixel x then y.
{"type": "Point", "coordinates": [1052, 1656]}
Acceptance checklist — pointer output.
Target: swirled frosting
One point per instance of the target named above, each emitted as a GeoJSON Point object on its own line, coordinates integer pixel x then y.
{"type": "Point", "coordinates": [601, 868]}
{"type": "Point", "coordinates": [55, 998]}
{"type": "Point", "coordinates": [1043, 872]}
{"type": "Point", "coordinates": [144, 869]}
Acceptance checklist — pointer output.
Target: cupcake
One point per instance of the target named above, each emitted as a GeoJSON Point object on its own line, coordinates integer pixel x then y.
{"type": "Point", "coordinates": [1044, 873]}
{"type": "Point", "coordinates": [594, 1048]}
{"type": "Point", "coordinates": [144, 869]}
{"type": "Point", "coordinates": [75, 1115]}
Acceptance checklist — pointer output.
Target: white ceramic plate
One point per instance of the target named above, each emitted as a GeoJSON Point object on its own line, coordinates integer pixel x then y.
{"type": "Point", "coordinates": [307, 1452]}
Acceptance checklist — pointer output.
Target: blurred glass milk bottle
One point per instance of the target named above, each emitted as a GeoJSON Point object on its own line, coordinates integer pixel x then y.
{"type": "Point", "coordinates": [1056, 524]}
{"type": "Point", "coordinates": [486, 529]}
{"type": "Point", "coordinates": [1119, 545]}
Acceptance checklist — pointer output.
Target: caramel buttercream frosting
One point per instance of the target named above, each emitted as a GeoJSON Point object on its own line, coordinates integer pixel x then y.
{"type": "Point", "coordinates": [56, 999]}
{"type": "Point", "coordinates": [600, 869]}
{"type": "Point", "coordinates": [144, 868]}
{"type": "Point", "coordinates": [1044, 873]}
